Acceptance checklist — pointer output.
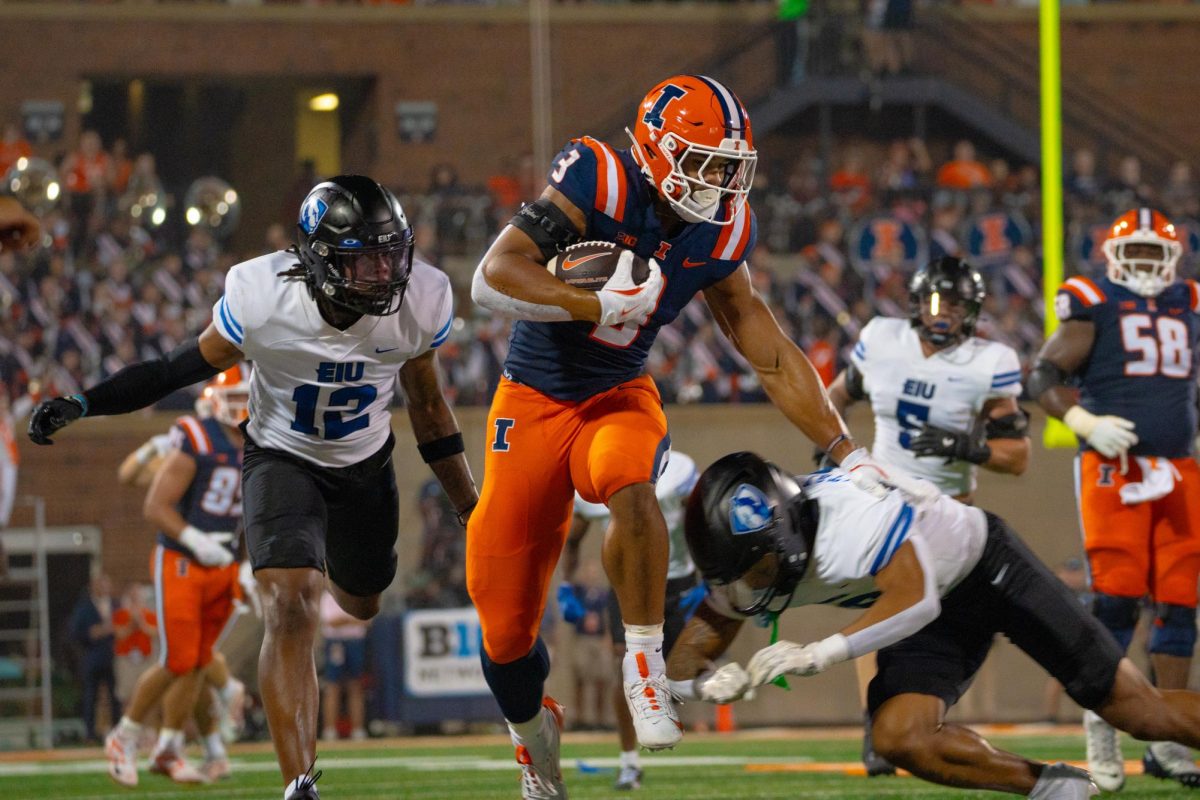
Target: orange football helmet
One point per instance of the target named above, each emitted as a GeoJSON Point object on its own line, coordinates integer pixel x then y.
{"type": "Point", "coordinates": [1142, 249]}
{"type": "Point", "coordinates": [692, 141]}
{"type": "Point", "coordinates": [227, 396]}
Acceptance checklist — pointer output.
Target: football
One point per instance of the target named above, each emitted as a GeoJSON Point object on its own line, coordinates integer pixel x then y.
{"type": "Point", "coordinates": [589, 265]}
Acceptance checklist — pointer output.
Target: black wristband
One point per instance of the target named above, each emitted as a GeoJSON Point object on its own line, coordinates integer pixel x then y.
{"type": "Point", "coordinates": [441, 448]}
{"type": "Point", "coordinates": [461, 515]}
{"type": "Point", "coordinates": [145, 383]}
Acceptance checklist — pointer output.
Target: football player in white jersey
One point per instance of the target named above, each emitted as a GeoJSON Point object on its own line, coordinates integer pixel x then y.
{"type": "Point", "coordinates": [672, 489]}
{"type": "Point", "coordinates": [936, 583]}
{"type": "Point", "coordinates": [944, 400]}
{"type": "Point", "coordinates": [329, 326]}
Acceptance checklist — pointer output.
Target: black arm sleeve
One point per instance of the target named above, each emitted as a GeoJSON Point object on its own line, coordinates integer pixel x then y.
{"type": "Point", "coordinates": [145, 383]}
{"type": "Point", "coordinates": [854, 383]}
{"type": "Point", "coordinates": [1043, 377]}
{"type": "Point", "coordinates": [548, 225]}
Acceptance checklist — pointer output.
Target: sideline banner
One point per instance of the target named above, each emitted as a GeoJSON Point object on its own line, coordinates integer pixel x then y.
{"type": "Point", "coordinates": [441, 653]}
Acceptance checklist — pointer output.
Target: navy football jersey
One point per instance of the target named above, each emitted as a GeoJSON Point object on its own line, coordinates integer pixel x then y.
{"type": "Point", "coordinates": [1143, 362]}
{"type": "Point", "coordinates": [213, 501]}
{"type": "Point", "coordinates": [576, 360]}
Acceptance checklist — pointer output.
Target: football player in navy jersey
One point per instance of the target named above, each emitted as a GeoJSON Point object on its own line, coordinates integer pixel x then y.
{"type": "Point", "coordinates": [195, 499]}
{"type": "Point", "coordinates": [1129, 342]}
{"type": "Point", "coordinates": [576, 411]}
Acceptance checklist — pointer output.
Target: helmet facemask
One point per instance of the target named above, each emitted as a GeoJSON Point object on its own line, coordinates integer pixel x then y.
{"type": "Point", "coordinates": [701, 177]}
{"type": "Point", "coordinates": [367, 280]}
{"type": "Point", "coordinates": [1142, 262]}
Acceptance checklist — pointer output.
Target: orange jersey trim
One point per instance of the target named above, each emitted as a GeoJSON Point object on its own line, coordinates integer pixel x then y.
{"type": "Point", "coordinates": [731, 243]}
{"type": "Point", "coordinates": [1195, 290]}
{"type": "Point", "coordinates": [1085, 289]}
{"type": "Point", "coordinates": [610, 180]}
{"type": "Point", "coordinates": [201, 444]}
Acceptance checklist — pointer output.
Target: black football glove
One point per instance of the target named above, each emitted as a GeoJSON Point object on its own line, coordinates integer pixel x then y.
{"type": "Point", "coordinates": [954, 445]}
{"type": "Point", "coordinates": [51, 415]}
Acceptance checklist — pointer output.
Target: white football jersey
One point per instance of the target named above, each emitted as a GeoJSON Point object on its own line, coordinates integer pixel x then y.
{"type": "Point", "coordinates": [948, 389]}
{"type": "Point", "coordinates": [317, 392]}
{"type": "Point", "coordinates": [672, 490]}
{"type": "Point", "coordinates": [858, 534]}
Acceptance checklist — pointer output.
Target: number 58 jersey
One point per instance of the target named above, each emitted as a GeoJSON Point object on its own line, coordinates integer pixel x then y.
{"type": "Point", "coordinates": [317, 392]}
{"type": "Point", "coordinates": [1142, 365]}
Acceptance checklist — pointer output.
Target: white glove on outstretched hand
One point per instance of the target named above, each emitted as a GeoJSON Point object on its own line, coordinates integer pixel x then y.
{"type": "Point", "coordinates": [726, 685]}
{"type": "Point", "coordinates": [1111, 436]}
{"type": "Point", "coordinates": [622, 300]}
{"type": "Point", "coordinates": [869, 475]}
{"type": "Point", "coordinates": [789, 658]}
{"type": "Point", "coordinates": [208, 548]}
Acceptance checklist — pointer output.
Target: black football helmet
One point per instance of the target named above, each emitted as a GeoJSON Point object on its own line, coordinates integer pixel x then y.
{"type": "Point", "coordinates": [941, 281]}
{"type": "Point", "coordinates": [742, 509]}
{"type": "Point", "coordinates": [356, 244]}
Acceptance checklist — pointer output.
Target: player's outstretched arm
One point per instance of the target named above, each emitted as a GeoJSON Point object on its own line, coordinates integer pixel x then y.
{"type": "Point", "coordinates": [512, 280]}
{"type": "Point", "coordinates": [690, 669]}
{"type": "Point", "coordinates": [438, 436]}
{"type": "Point", "coordinates": [138, 385]}
{"type": "Point", "coordinates": [786, 373]}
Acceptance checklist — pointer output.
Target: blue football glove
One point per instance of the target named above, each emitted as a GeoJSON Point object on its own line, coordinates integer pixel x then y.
{"type": "Point", "coordinates": [569, 604]}
{"type": "Point", "coordinates": [690, 601]}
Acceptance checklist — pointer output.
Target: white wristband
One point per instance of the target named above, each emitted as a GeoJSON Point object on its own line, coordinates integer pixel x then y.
{"type": "Point", "coordinates": [831, 650]}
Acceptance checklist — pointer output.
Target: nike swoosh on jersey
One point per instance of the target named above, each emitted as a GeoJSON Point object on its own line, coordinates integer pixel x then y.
{"type": "Point", "coordinates": [385, 349]}
{"type": "Point", "coordinates": [689, 264]}
{"type": "Point", "coordinates": [569, 263]}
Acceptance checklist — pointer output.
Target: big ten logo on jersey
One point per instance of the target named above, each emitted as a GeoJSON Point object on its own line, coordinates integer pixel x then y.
{"type": "Point", "coordinates": [346, 405]}
{"type": "Point", "coordinates": [460, 639]}
{"type": "Point", "coordinates": [913, 415]}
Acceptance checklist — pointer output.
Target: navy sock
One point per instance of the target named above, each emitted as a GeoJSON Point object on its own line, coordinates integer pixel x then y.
{"type": "Point", "coordinates": [517, 685]}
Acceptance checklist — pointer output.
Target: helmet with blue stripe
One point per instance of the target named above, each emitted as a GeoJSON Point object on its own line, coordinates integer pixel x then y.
{"type": "Point", "coordinates": [692, 140]}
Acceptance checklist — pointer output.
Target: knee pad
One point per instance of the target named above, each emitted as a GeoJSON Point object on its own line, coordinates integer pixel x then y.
{"type": "Point", "coordinates": [1174, 632]}
{"type": "Point", "coordinates": [1118, 614]}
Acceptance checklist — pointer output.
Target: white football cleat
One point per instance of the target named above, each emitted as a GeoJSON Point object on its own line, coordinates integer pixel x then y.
{"type": "Point", "coordinates": [1172, 761]}
{"type": "Point", "coordinates": [1103, 753]}
{"type": "Point", "coordinates": [122, 757]}
{"type": "Point", "coordinates": [541, 768]}
{"type": "Point", "coordinates": [1061, 781]}
{"type": "Point", "coordinates": [175, 767]}
{"type": "Point", "coordinates": [652, 707]}
{"type": "Point", "coordinates": [216, 769]}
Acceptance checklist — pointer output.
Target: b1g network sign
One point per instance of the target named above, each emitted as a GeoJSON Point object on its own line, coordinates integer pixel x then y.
{"type": "Point", "coordinates": [441, 653]}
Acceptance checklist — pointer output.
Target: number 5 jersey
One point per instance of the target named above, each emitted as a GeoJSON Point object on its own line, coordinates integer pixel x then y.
{"type": "Point", "coordinates": [947, 389]}
{"type": "Point", "coordinates": [317, 392]}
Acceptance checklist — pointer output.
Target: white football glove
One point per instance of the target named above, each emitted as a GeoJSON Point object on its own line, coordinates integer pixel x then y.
{"type": "Point", "coordinates": [783, 658]}
{"type": "Point", "coordinates": [208, 548]}
{"type": "Point", "coordinates": [1111, 436]}
{"type": "Point", "coordinates": [622, 300]}
{"type": "Point", "coordinates": [869, 475]}
{"type": "Point", "coordinates": [726, 685]}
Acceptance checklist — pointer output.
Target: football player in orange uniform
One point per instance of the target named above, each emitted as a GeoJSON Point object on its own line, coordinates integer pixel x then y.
{"type": "Point", "coordinates": [576, 411]}
{"type": "Point", "coordinates": [195, 499]}
{"type": "Point", "coordinates": [1129, 340]}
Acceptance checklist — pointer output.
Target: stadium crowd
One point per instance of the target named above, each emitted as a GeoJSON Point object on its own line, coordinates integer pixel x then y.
{"type": "Point", "coordinates": [837, 244]}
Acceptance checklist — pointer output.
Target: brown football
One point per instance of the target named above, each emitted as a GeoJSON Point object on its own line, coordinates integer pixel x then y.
{"type": "Point", "coordinates": [589, 265]}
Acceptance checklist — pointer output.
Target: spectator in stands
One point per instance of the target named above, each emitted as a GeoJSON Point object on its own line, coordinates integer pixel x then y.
{"type": "Point", "coordinates": [135, 627]}
{"type": "Point", "coordinates": [91, 629]}
{"type": "Point", "coordinates": [887, 36]}
{"type": "Point", "coordinates": [1083, 184]}
{"type": "Point", "coordinates": [1128, 189]}
{"type": "Point", "coordinates": [345, 640]}
{"type": "Point", "coordinates": [13, 146]}
{"type": "Point", "coordinates": [905, 170]}
{"type": "Point", "coordinates": [591, 653]}
{"type": "Point", "coordinates": [964, 171]}
{"type": "Point", "coordinates": [1180, 199]}
{"type": "Point", "coordinates": [86, 172]}
{"type": "Point", "coordinates": [850, 185]}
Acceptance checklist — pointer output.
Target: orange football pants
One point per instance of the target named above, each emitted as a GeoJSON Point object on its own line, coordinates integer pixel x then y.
{"type": "Point", "coordinates": [194, 604]}
{"type": "Point", "coordinates": [539, 452]}
{"type": "Point", "coordinates": [1150, 548]}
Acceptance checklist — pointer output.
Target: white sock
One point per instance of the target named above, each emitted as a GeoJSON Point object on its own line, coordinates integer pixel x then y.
{"type": "Point", "coordinates": [527, 730]}
{"type": "Point", "coordinates": [127, 727]}
{"type": "Point", "coordinates": [214, 748]}
{"type": "Point", "coordinates": [166, 739]}
{"type": "Point", "coordinates": [629, 758]}
{"type": "Point", "coordinates": [643, 652]}
{"type": "Point", "coordinates": [227, 691]}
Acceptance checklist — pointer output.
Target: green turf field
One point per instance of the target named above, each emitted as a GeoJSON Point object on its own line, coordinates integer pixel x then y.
{"type": "Point", "coordinates": [717, 767]}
